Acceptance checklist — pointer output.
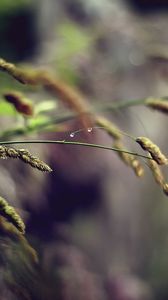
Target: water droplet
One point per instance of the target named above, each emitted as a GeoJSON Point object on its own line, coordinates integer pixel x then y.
{"type": "Point", "coordinates": [72, 134]}
{"type": "Point", "coordinates": [89, 129]}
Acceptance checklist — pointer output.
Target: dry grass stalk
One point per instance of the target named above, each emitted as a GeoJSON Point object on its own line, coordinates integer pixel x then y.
{"type": "Point", "coordinates": [130, 160]}
{"type": "Point", "coordinates": [69, 96]}
{"type": "Point", "coordinates": [25, 156]}
{"type": "Point", "coordinates": [153, 149]}
{"type": "Point", "coordinates": [157, 104]}
{"type": "Point", "coordinates": [66, 93]}
{"type": "Point", "coordinates": [11, 215]}
{"type": "Point", "coordinates": [21, 104]}
{"type": "Point", "coordinates": [22, 76]}
{"type": "Point", "coordinates": [109, 127]}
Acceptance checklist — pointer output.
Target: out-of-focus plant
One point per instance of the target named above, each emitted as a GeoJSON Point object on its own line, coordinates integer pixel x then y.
{"type": "Point", "coordinates": [37, 118]}
{"type": "Point", "coordinates": [30, 117]}
{"type": "Point", "coordinates": [75, 41]}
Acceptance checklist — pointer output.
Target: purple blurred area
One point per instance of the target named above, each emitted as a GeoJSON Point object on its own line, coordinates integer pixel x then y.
{"type": "Point", "coordinates": [149, 6]}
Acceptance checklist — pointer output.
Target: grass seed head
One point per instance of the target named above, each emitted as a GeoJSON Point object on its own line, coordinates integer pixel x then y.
{"type": "Point", "coordinates": [153, 149]}
{"type": "Point", "coordinates": [156, 171]}
{"type": "Point", "coordinates": [3, 152]}
{"type": "Point", "coordinates": [165, 188]}
{"type": "Point", "coordinates": [21, 104]}
{"type": "Point", "coordinates": [11, 152]}
{"type": "Point", "coordinates": [157, 104]}
{"type": "Point", "coordinates": [137, 167]}
{"type": "Point", "coordinates": [25, 156]}
{"type": "Point", "coordinates": [11, 215]}
{"type": "Point", "coordinates": [130, 160]}
{"type": "Point", "coordinates": [109, 127]}
{"type": "Point", "coordinates": [39, 164]}
{"type": "Point", "coordinates": [33, 161]}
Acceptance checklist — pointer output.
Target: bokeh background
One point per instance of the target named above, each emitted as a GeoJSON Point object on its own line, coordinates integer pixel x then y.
{"type": "Point", "coordinates": [101, 233]}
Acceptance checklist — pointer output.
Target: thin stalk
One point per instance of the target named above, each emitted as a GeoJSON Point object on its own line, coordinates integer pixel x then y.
{"type": "Point", "coordinates": [63, 142]}
{"type": "Point", "coordinates": [64, 117]}
{"type": "Point", "coordinates": [16, 131]}
{"type": "Point", "coordinates": [118, 105]}
{"type": "Point", "coordinates": [100, 107]}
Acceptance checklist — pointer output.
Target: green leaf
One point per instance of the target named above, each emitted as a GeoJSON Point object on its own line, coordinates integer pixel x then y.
{"type": "Point", "coordinates": [72, 41]}
{"type": "Point", "coordinates": [45, 106]}
{"type": "Point", "coordinates": [6, 109]}
{"type": "Point", "coordinates": [38, 122]}
{"type": "Point", "coordinates": [10, 5]}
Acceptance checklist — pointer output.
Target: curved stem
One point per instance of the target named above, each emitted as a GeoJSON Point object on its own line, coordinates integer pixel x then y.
{"type": "Point", "coordinates": [100, 107]}
{"type": "Point", "coordinates": [118, 105]}
{"type": "Point", "coordinates": [63, 142]}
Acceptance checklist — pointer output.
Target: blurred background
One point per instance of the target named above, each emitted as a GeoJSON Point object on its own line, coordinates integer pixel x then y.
{"type": "Point", "coordinates": [101, 233]}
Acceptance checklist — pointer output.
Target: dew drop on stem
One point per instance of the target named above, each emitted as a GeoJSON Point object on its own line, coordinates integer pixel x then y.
{"type": "Point", "coordinates": [72, 134]}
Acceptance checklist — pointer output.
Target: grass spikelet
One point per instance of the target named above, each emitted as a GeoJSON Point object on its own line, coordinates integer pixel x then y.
{"type": "Point", "coordinates": [11, 215]}
{"type": "Point", "coordinates": [33, 161]}
{"type": "Point", "coordinates": [157, 104]}
{"type": "Point", "coordinates": [3, 152]}
{"type": "Point", "coordinates": [23, 76]}
{"type": "Point", "coordinates": [153, 149]}
{"type": "Point", "coordinates": [9, 230]}
{"type": "Point", "coordinates": [68, 95]}
{"type": "Point", "coordinates": [137, 167]}
{"type": "Point", "coordinates": [109, 127]}
{"type": "Point", "coordinates": [25, 156]}
{"type": "Point", "coordinates": [39, 164]}
{"type": "Point", "coordinates": [165, 188]}
{"type": "Point", "coordinates": [130, 160]}
{"type": "Point", "coordinates": [11, 152]}
{"type": "Point", "coordinates": [21, 104]}
{"type": "Point", "coordinates": [157, 173]}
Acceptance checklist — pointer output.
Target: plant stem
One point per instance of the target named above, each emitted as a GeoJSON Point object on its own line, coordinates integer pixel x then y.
{"type": "Point", "coordinates": [106, 107]}
{"type": "Point", "coordinates": [63, 142]}
{"type": "Point", "coordinates": [118, 105]}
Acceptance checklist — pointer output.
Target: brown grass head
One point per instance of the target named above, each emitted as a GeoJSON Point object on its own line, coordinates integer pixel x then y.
{"type": "Point", "coordinates": [153, 149]}
{"type": "Point", "coordinates": [33, 161]}
{"type": "Point", "coordinates": [156, 171]}
{"type": "Point", "coordinates": [68, 95]}
{"type": "Point", "coordinates": [25, 156]}
{"type": "Point", "coordinates": [21, 104]}
{"type": "Point", "coordinates": [23, 76]}
{"type": "Point", "coordinates": [157, 104]}
{"type": "Point", "coordinates": [165, 188]}
{"type": "Point", "coordinates": [11, 215]}
{"type": "Point", "coordinates": [130, 160]}
{"type": "Point", "coordinates": [3, 152]}
{"type": "Point", "coordinates": [109, 127]}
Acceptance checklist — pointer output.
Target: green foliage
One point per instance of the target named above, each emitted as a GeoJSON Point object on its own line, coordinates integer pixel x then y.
{"type": "Point", "coordinates": [72, 42]}
{"type": "Point", "coordinates": [10, 5]}
{"type": "Point", "coordinates": [6, 109]}
{"type": "Point", "coordinates": [45, 106]}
